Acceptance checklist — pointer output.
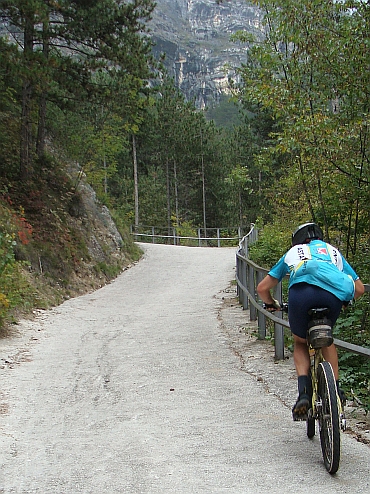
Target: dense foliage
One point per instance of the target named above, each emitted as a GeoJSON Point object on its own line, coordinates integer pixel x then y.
{"type": "Point", "coordinates": [309, 75]}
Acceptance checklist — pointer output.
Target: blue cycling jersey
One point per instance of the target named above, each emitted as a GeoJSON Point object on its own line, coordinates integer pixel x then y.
{"type": "Point", "coordinates": [317, 263]}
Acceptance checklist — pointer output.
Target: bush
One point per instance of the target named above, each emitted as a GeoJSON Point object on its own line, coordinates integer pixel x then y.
{"type": "Point", "coordinates": [16, 292]}
{"type": "Point", "coordinates": [355, 378]}
{"type": "Point", "coordinates": [272, 243]}
{"type": "Point", "coordinates": [7, 244]}
{"type": "Point", "coordinates": [185, 229]}
{"type": "Point", "coordinates": [353, 327]}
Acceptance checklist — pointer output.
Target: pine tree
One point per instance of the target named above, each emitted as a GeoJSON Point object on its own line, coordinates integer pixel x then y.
{"type": "Point", "coordinates": [62, 45]}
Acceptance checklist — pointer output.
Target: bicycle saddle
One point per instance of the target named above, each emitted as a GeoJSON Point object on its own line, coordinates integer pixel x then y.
{"type": "Point", "coordinates": [318, 312]}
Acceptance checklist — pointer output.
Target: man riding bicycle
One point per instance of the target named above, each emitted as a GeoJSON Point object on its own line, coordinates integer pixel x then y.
{"type": "Point", "coordinates": [319, 276]}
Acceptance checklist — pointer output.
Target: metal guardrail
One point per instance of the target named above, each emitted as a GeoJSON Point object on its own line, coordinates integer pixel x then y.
{"type": "Point", "coordinates": [202, 239]}
{"type": "Point", "coordinates": [248, 275]}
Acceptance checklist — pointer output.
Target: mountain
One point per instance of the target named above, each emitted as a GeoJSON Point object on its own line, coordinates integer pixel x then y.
{"type": "Point", "coordinates": [195, 35]}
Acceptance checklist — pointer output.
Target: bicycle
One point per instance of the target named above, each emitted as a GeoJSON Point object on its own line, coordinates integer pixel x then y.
{"type": "Point", "coordinates": [326, 407]}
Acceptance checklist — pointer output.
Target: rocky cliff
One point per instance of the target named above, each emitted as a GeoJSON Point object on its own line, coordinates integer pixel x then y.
{"type": "Point", "coordinates": [195, 37]}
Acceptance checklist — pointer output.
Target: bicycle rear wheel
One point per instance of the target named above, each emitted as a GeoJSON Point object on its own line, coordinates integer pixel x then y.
{"type": "Point", "coordinates": [328, 416]}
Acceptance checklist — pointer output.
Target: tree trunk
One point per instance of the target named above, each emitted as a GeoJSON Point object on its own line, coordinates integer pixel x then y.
{"type": "Point", "coordinates": [322, 203]}
{"type": "Point", "coordinates": [26, 125]}
{"type": "Point", "coordinates": [168, 190]}
{"type": "Point", "coordinates": [364, 146]}
{"type": "Point", "coordinates": [308, 199]}
{"type": "Point", "coordinates": [136, 186]}
{"type": "Point", "coordinates": [176, 192]}
{"type": "Point", "coordinates": [41, 131]}
{"type": "Point", "coordinates": [203, 185]}
{"type": "Point", "coordinates": [26, 133]}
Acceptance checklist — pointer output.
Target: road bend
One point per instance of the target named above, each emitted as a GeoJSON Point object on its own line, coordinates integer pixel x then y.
{"type": "Point", "coordinates": [134, 389]}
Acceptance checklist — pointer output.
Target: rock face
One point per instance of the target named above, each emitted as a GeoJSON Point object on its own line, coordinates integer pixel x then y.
{"type": "Point", "coordinates": [195, 37]}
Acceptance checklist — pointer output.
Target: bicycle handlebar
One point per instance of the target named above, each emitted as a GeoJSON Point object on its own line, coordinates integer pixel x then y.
{"type": "Point", "coordinates": [283, 307]}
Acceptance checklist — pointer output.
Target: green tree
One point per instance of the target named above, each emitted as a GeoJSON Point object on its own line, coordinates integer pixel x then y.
{"type": "Point", "coordinates": [308, 72]}
{"type": "Point", "coordinates": [63, 45]}
{"type": "Point", "coordinates": [186, 158]}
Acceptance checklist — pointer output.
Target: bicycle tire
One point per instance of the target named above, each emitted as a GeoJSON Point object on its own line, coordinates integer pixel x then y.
{"type": "Point", "coordinates": [328, 417]}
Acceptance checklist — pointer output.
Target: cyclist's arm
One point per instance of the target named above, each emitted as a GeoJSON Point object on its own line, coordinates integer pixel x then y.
{"type": "Point", "coordinates": [264, 287]}
{"type": "Point", "coordinates": [359, 288]}
{"type": "Point", "coordinates": [273, 277]}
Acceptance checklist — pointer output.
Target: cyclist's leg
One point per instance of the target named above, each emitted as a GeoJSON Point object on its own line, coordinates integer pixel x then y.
{"type": "Point", "coordinates": [301, 296]}
{"type": "Point", "coordinates": [298, 321]}
{"type": "Point", "coordinates": [330, 354]}
{"type": "Point", "coordinates": [302, 365]}
{"type": "Point", "coordinates": [301, 356]}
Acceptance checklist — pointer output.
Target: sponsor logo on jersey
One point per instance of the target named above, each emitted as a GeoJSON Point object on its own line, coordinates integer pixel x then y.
{"type": "Point", "coordinates": [322, 250]}
{"type": "Point", "coordinates": [301, 253]}
{"type": "Point", "coordinates": [335, 257]}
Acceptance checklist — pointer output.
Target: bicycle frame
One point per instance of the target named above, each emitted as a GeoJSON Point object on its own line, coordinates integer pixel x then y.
{"type": "Point", "coordinates": [316, 359]}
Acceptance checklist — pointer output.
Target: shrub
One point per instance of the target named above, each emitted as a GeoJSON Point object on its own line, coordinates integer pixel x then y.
{"type": "Point", "coordinates": [271, 244]}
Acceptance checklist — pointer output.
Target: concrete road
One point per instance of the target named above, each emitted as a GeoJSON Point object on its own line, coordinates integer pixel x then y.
{"type": "Point", "coordinates": [135, 389]}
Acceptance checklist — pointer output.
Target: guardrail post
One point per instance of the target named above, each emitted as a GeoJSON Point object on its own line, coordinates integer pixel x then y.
{"type": "Point", "coordinates": [261, 317]}
{"type": "Point", "coordinates": [218, 238]}
{"type": "Point", "coordinates": [238, 273]}
{"type": "Point", "coordinates": [245, 246]}
{"type": "Point", "coordinates": [243, 277]}
{"type": "Point", "coordinates": [251, 290]}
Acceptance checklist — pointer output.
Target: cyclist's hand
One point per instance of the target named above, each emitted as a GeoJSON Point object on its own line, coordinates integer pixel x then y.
{"type": "Point", "coordinates": [272, 307]}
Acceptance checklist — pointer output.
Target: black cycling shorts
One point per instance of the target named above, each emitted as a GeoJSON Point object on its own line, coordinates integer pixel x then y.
{"type": "Point", "coordinates": [303, 297]}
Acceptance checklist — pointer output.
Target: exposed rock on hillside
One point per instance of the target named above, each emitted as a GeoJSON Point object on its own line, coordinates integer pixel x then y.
{"type": "Point", "coordinates": [75, 246]}
{"type": "Point", "coordinates": [195, 37]}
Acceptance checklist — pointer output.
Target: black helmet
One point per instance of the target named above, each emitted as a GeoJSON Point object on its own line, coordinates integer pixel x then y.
{"type": "Point", "coordinates": [308, 230]}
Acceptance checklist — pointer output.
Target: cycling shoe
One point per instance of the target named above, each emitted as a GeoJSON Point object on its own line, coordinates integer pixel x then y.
{"type": "Point", "coordinates": [301, 408]}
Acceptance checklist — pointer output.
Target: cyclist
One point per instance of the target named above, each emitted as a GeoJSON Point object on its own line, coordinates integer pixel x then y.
{"type": "Point", "coordinates": [319, 277]}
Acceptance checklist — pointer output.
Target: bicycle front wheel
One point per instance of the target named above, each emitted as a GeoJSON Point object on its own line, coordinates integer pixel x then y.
{"type": "Point", "coordinates": [328, 415]}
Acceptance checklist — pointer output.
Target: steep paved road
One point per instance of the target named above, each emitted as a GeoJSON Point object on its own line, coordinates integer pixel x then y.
{"type": "Point", "coordinates": [135, 389]}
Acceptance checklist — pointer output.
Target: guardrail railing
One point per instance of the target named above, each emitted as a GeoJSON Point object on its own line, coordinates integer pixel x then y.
{"type": "Point", "coordinates": [211, 237]}
{"type": "Point", "coordinates": [248, 275]}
